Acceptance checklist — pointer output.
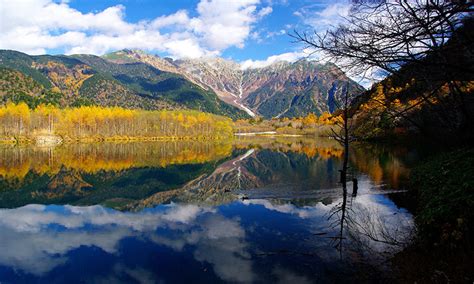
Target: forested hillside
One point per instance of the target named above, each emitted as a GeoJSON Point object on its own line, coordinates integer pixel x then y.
{"type": "Point", "coordinates": [432, 98]}
{"type": "Point", "coordinates": [91, 80]}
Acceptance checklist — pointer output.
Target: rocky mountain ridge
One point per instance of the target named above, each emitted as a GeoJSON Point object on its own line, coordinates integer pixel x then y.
{"type": "Point", "coordinates": [136, 79]}
{"type": "Point", "coordinates": [280, 89]}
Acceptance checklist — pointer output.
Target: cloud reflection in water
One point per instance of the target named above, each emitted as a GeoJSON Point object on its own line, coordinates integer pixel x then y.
{"type": "Point", "coordinates": [36, 239]}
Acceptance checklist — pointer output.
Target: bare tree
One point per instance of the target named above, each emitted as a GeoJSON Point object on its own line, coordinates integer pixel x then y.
{"type": "Point", "coordinates": [344, 135]}
{"type": "Point", "coordinates": [390, 34]}
{"type": "Point", "coordinates": [381, 37]}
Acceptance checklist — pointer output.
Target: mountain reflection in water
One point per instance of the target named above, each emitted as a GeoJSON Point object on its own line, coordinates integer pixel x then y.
{"type": "Point", "coordinates": [181, 217]}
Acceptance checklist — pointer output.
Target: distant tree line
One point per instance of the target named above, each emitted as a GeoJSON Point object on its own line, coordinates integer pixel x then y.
{"type": "Point", "coordinates": [306, 125]}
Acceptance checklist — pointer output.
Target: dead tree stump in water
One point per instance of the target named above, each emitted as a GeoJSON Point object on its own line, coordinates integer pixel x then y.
{"type": "Point", "coordinates": [342, 178]}
{"type": "Point", "coordinates": [355, 187]}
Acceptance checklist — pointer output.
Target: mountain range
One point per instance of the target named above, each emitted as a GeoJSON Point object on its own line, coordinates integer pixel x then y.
{"type": "Point", "coordinates": [135, 79]}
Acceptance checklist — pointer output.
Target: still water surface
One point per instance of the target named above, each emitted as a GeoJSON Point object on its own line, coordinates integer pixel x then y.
{"type": "Point", "coordinates": [173, 212]}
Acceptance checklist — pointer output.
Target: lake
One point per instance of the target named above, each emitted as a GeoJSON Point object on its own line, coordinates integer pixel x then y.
{"type": "Point", "coordinates": [249, 210]}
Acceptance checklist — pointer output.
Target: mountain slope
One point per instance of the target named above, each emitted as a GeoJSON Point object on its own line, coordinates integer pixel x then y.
{"type": "Point", "coordinates": [17, 87]}
{"type": "Point", "coordinates": [23, 63]}
{"type": "Point", "coordinates": [88, 79]}
{"type": "Point", "coordinates": [15, 82]}
{"type": "Point", "coordinates": [222, 76]}
{"type": "Point", "coordinates": [106, 91]}
{"type": "Point", "coordinates": [279, 90]}
{"type": "Point", "coordinates": [212, 74]}
{"type": "Point", "coordinates": [135, 79]}
{"type": "Point", "coordinates": [148, 81]}
{"type": "Point", "coordinates": [295, 89]}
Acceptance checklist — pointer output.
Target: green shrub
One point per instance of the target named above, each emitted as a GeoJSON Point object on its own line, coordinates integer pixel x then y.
{"type": "Point", "coordinates": [445, 185]}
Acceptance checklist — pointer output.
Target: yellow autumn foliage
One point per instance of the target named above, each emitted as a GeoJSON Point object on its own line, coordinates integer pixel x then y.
{"type": "Point", "coordinates": [110, 122]}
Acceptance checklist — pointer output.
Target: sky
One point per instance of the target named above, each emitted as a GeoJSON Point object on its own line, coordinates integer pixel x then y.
{"type": "Point", "coordinates": [252, 32]}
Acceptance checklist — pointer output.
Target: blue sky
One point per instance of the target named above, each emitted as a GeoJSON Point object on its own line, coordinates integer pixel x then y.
{"type": "Point", "coordinates": [251, 31]}
{"type": "Point", "coordinates": [269, 35]}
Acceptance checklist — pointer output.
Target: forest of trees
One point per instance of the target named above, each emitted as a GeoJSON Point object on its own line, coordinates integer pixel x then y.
{"type": "Point", "coordinates": [18, 120]}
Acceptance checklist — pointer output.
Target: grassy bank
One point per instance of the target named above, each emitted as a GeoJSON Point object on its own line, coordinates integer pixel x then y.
{"type": "Point", "coordinates": [445, 187]}
{"type": "Point", "coordinates": [444, 250]}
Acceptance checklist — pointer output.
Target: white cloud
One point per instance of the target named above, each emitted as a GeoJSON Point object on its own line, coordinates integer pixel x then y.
{"type": "Point", "coordinates": [288, 56]}
{"type": "Point", "coordinates": [322, 19]}
{"type": "Point", "coordinates": [255, 36]}
{"type": "Point", "coordinates": [276, 33]}
{"type": "Point", "coordinates": [222, 23]}
{"type": "Point", "coordinates": [50, 16]}
{"type": "Point", "coordinates": [183, 214]}
{"type": "Point", "coordinates": [265, 11]}
{"type": "Point", "coordinates": [318, 211]}
{"type": "Point", "coordinates": [332, 14]}
{"type": "Point", "coordinates": [36, 26]}
{"type": "Point", "coordinates": [178, 18]}
{"type": "Point", "coordinates": [286, 276]}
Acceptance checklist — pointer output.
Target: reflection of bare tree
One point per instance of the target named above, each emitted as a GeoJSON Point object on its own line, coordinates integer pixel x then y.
{"type": "Point", "coordinates": [366, 228]}
{"type": "Point", "coordinates": [358, 221]}
{"type": "Point", "coordinates": [340, 209]}
{"type": "Point", "coordinates": [367, 224]}
{"type": "Point", "coordinates": [344, 137]}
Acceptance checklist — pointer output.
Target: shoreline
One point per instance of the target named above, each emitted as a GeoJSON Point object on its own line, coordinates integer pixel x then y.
{"type": "Point", "coordinates": [267, 133]}
{"type": "Point", "coordinates": [56, 140]}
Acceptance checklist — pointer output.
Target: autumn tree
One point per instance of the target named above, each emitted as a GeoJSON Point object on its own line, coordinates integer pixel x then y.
{"type": "Point", "coordinates": [15, 119]}
{"type": "Point", "coordinates": [49, 114]}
